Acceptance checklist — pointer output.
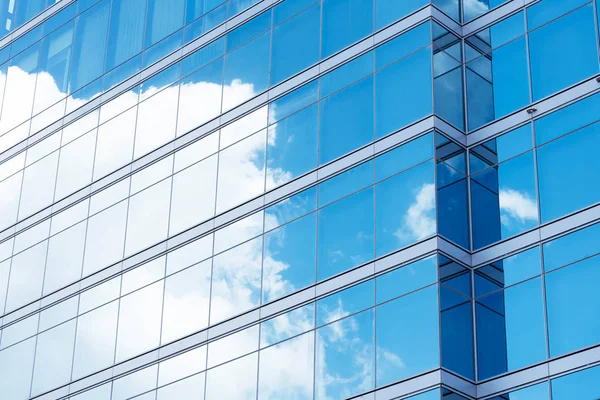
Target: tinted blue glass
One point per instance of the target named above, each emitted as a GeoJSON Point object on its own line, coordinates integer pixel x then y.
{"type": "Point", "coordinates": [294, 101]}
{"type": "Point", "coordinates": [293, 207]}
{"type": "Point", "coordinates": [535, 392]}
{"type": "Point", "coordinates": [27, 9]}
{"type": "Point", "coordinates": [346, 183]}
{"type": "Point", "coordinates": [249, 30]}
{"type": "Point", "coordinates": [407, 336]}
{"type": "Point", "coordinates": [246, 71]}
{"type": "Point", "coordinates": [236, 6]}
{"type": "Point", "coordinates": [345, 234]}
{"type": "Point", "coordinates": [405, 208]}
{"type": "Point", "coordinates": [163, 18]}
{"type": "Point", "coordinates": [162, 48]}
{"type": "Point", "coordinates": [485, 219]}
{"type": "Point", "coordinates": [547, 10]}
{"type": "Point", "coordinates": [346, 120]}
{"type": "Point", "coordinates": [197, 8]}
{"type": "Point", "coordinates": [349, 357]}
{"type": "Point", "coordinates": [295, 44]}
{"type": "Point", "coordinates": [406, 279]}
{"type": "Point", "coordinates": [26, 40]}
{"type": "Point", "coordinates": [507, 30]}
{"type": "Point", "coordinates": [89, 45]}
{"type": "Point", "coordinates": [205, 23]}
{"type": "Point", "coordinates": [431, 395]}
{"type": "Point", "coordinates": [348, 301]}
{"type": "Point", "coordinates": [572, 304]}
{"type": "Point", "coordinates": [473, 9]}
{"type": "Point", "coordinates": [510, 77]}
{"type": "Point", "coordinates": [457, 333]}
{"type": "Point", "coordinates": [453, 212]}
{"type": "Point", "coordinates": [126, 31]}
{"type": "Point", "coordinates": [345, 22]}
{"type": "Point", "coordinates": [578, 152]}
{"type": "Point", "coordinates": [403, 45]}
{"type": "Point", "coordinates": [289, 258]}
{"type": "Point", "coordinates": [582, 385]}
{"type": "Point", "coordinates": [450, 7]}
{"type": "Point", "coordinates": [404, 92]}
{"type": "Point", "coordinates": [555, 62]}
{"type": "Point", "coordinates": [571, 248]}
{"type": "Point", "coordinates": [567, 119]}
{"type": "Point", "coordinates": [202, 57]}
{"type": "Point", "coordinates": [63, 16]}
{"type": "Point", "coordinates": [346, 74]}
{"type": "Point", "coordinates": [448, 89]}
{"type": "Point", "coordinates": [292, 146]}
{"type": "Point", "coordinates": [55, 56]}
{"type": "Point", "coordinates": [513, 143]}
{"type": "Point", "coordinates": [405, 156]}
{"type": "Point", "coordinates": [521, 266]}
{"type": "Point", "coordinates": [388, 11]}
{"type": "Point", "coordinates": [288, 9]}
{"type": "Point", "coordinates": [480, 94]}
{"type": "Point", "coordinates": [122, 72]}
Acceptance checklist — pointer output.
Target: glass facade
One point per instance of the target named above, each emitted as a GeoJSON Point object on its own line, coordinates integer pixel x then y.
{"type": "Point", "coordinates": [302, 199]}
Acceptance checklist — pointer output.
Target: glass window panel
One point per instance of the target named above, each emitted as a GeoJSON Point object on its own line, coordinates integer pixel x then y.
{"type": "Point", "coordinates": [55, 59]}
{"type": "Point", "coordinates": [539, 14]}
{"type": "Point", "coordinates": [89, 46]}
{"type": "Point", "coordinates": [139, 321]}
{"type": "Point", "coordinates": [403, 352]}
{"type": "Point", "coordinates": [182, 365]}
{"type": "Point", "coordinates": [406, 279]}
{"type": "Point", "coordinates": [65, 257]}
{"type": "Point", "coordinates": [292, 102]}
{"type": "Point", "coordinates": [206, 23]}
{"type": "Point", "coordinates": [163, 18]}
{"type": "Point", "coordinates": [10, 190]}
{"type": "Point", "coordinates": [582, 385]}
{"type": "Point", "coordinates": [218, 380]}
{"type": "Point", "coordinates": [53, 358]}
{"type": "Point", "coordinates": [346, 242]}
{"type": "Point", "coordinates": [38, 185]}
{"type": "Point", "coordinates": [4, 271]}
{"type": "Point", "coordinates": [246, 71]}
{"type": "Point", "coordinates": [510, 77]}
{"type": "Point", "coordinates": [95, 343]}
{"type": "Point", "coordinates": [287, 325]}
{"type": "Point", "coordinates": [555, 62]}
{"type": "Point", "coordinates": [346, 183]}
{"type": "Point", "coordinates": [200, 97]}
{"type": "Point", "coordinates": [567, 119]}
{"type": "Point", "coordinates": [404, 92]}
{"type": "Point", "coordinates": [345, 22]}
{"type": "Point", "coordinates": [203, 56]}
{"type": "Point", "coordinates": [75, 165]}
{"type": "Point", "coordinates": [507, 30]}
{"type": "Point", "coordinates": [186, 302]}
{"type": "Point", "coordinates": [350, 113]}
{"type": "Point", "coordinates": [232, 346]}
{"type": "Point", "coordinates": [105, 238]}
{"type": "Point", "coordinates": [115, 143]}
{"type": "Point", "coordinates": [156, 121]}
{"type": "Point", "coordinates": [243, 127]}
{"type": "Point", "coordinates": [20, 330]}
{"type": "Point", "coordinates": [236, 280]}
{"type": "Point", "coordinates": [126, 31]}
{"type": "Point", "coordinates": [241, 171]}
{"type": "Point", "coordinates": [571, 300]}
{"type": "Point", "coordinates": [248, 30]}
{"type": "Point", "coordinates": [98, 393]}
{"type": "Point", "coordinates": [292, 147]}
{"type": "Point", "coordinates": [576, 151]}
{"type": "Point", "coordinates": [347, 74]}
{"type": "Point", "coordinates": [162, 48]}
{"type": "Point", "coordinates": [197, 150]}
{"type": "Point", "coordinates": [16, 364]}
{"type": "Point", "coordinates": [286, 370]}
{"type": "Point", "coordinates": [59, 313]}
{"type": "Point", "coordinates": [405, 210]}
{"type": "Point", "coordinates": [26, 276]}
{"type": "Point", "coordinates": [289, 259]}
{"type": "Point", "coordinates": [291, 208]}
{"type": "Point", "coordinates": [521, 266]}
{"type": "Point", "coordinates": [295, 44]}
{"type": "Point", "coordinates": [403, 45]}
{"type": "Point", "coordinates": [450, 7]}
{"type": "Point", "coordinates": [571, 248]}
{"type": "Point", "coordinates": [190, 388]}
{"type": "Point", "coordinates": [148, 217]}
{"type": "Point", "coordinates": [404, 156]}
{"type": "Point", "coordinates": [348, 301]}
{"type": "Point", "coordinates": [388, 11]}
{"type": "Point", "coordinates": [25, 10]}
{"type": "Point", "coordinates": [135, 383]}
{"type": "Point", "coordinates": [193, 195]}
{"type": "Point", "coordinates": [143, 275]}
{"type": "Point", "coordinates": [536, 392]}
{"type": "Point", "coordinates": [196, 8]}
{"type": "Point", "coordinates": [189, 254]}
{"type": "Point", "coordinates": [345, 357]}
{"type": "Point", "coordinates": [100, 294]}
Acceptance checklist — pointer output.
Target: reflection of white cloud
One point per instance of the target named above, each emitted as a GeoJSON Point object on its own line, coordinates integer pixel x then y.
{"type": "Point", "coordinates": [474, 8]}
{"type": "Point", "coordinates": [419, 221]}
{"type": "Point", "coordinates": [516, 206]}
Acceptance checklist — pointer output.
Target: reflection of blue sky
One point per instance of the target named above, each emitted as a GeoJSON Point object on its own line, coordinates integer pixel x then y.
{"type": "Point", "coordinates": [582, 385]}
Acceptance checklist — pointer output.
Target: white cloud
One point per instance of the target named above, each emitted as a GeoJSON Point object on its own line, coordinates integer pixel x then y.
{"type": "Point", "coordinates": [516, 207]}
{"type": "Point", "coordinates": [419, 221]}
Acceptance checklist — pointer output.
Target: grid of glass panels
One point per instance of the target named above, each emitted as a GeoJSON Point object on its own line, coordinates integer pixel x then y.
{"type": "Point", "coordinates": [518, 180]}
{"type": "Point", "coordinates": [346, 343]}
{"type": "Point", "coordinates": [529, 56]}
{"type": "Point", "coordinates": [538, 304]}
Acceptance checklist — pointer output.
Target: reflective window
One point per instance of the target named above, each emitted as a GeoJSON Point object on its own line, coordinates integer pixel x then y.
{"type": "Point", "coordinates": [345, 22]}
{"type": "Point", "coordinates": [580, 385]}
{"type": "Point", "coordinates": [570, 248]}
{"type": "Point", "coordinates": [126, 31]}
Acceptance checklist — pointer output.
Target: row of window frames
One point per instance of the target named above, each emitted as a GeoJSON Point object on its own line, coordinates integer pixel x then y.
{"type": "Point", "coordinates": [170, 70]}
{"type": "Point", "coordinates": [232, 246]}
